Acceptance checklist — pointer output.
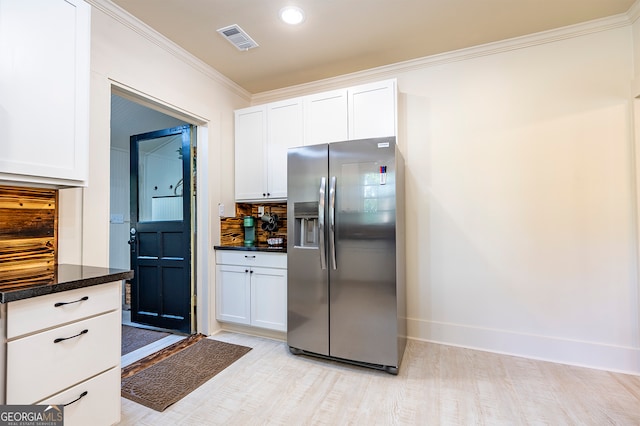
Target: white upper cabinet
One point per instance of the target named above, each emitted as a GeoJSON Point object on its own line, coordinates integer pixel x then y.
{"type": "Point", "coordinates": [372, 110]}
{"type": "Point", "coordinates": [325, 117]}
{"type": "Point", "coordinates": [284, 131]}
{"type": "Point", "coordinates": [263, 135]}
{"type": "Point", "coordinates": [250, 143]}
{"type": "Point", "coordinates": [44, 91]}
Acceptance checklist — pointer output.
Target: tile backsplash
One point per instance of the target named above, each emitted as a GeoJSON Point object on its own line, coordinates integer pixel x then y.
{"type": "Point", "coordinates": [232, 230]}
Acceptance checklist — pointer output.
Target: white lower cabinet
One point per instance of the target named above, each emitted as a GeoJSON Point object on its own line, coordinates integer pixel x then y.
{"type": "Point", "coordinates": [269, 298]}
{"type": "Point", "coordinates": [91, 402]}
{"type": "Point", "coordinates": [70, 355]}
{"type": "Point", "coordinates": [251, 289]}
{"type": "Point", "coordinates": [233, 294]}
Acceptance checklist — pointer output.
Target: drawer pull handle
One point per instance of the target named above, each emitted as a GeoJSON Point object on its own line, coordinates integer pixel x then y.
{"type": "Point", "coordinates": [249, 257]}
{"type": "Point", "coordinates": [57, 305]}
{"type": "Point", "coordinates": [82, 395]}
{"type": "Point", "coordinates": [60, 339]}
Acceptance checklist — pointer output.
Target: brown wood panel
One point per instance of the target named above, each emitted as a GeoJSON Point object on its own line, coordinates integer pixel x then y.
{"type": "Point", "coordinates": [28, 233]}
{"type": "Point", "coordinates": [232, 230]}
{"type": "Point", "coordinates": [26, 223]}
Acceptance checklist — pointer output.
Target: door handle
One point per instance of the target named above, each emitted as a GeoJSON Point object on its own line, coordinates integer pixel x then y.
{"type": "Point", "coordinates": [321, 197]}
{"type": "Point", "coordinates": [132, 239]}
{"type": "Point", "coordinates": [332, 221]}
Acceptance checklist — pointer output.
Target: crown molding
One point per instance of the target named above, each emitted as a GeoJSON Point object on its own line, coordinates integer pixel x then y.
{"type": "Point", "coordinates": [373, 74]}
{"type": "Point", "coordinates": [392, 70]}
{"type": "Point", "coordinates": [634, 12]}
{"type": "Point", "coordinates": [117, 13]}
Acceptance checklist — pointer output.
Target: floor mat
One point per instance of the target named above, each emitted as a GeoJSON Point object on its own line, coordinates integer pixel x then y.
{"type": "Point", "coordinates": [134, 338]}
{"type": "Point", "coordinates": [166, 377]}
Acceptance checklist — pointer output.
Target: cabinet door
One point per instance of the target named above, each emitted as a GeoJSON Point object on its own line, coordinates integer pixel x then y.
{"type": "Point", "coordinates": [64, 355]}
{"type": "Point", "coordinates": [372, 110]}
{"type": "Point", "coordinates": [250, 155]}
{"type": "Point", "coordinates": [325, 117]}
{"type": "Point", "coordinates": [50, 310]}
{"type": "Point", "coordinates": [99, 405]}
{"type": "Point", "coordinates": [44, 91]}
{"type": "Point", "coordinates": [284, 127]}
{"type": "Point", "coordinates": [269, 298]}
{"type": "Point", "coordinates": [233, 292]}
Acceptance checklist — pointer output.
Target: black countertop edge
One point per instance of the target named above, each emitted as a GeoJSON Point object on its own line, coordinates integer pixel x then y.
{"type": "Point", "coordinates": [66, 277]}
{"type": "Point", "coordinates": [266, 249]}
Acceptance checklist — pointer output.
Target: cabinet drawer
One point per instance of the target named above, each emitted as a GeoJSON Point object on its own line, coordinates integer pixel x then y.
{"type": "Point", "coordinates": [101, 404]}
{"type": "Point", "coordinates": [40, 367]}
{"type": "Point", "coordinates": [39, 313]}
{"type": "Point", "coordinates": [251, 258]}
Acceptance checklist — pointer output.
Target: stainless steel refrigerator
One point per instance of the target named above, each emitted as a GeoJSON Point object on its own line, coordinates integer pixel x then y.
{"type": "Point", "coordinates": [345, 248]}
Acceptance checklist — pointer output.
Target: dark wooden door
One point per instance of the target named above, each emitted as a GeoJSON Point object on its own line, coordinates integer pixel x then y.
{"type": "Point", "coordinates": [160, 240]}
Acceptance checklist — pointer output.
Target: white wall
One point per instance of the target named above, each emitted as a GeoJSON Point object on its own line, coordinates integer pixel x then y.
{"type": "Point", "coordinates": [520, 189]}
{"type": "Point", "coordinates": [130, 60]}
{"type": "Point", "coordinates": [634, 12]}
{"type": "Point", "coordinates": [520, 197]}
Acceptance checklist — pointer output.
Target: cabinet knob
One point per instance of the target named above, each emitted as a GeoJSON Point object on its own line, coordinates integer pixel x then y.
{"type": "Point", "coordinates": [246, 270]}
{"type": "Point", "coordinates": [264, 195]}
{"type": "Point", "coordinates": [251, 272]}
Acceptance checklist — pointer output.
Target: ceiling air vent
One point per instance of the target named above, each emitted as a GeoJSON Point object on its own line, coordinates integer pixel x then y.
{"type": "Point", "coordinates": [238, 37]}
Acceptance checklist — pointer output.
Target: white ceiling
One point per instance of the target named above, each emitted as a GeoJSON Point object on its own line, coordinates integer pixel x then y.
{"type": "Point", "coordinates": [344, 36]}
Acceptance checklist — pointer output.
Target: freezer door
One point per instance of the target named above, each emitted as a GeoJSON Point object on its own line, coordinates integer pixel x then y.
{"type": "Point", "coordinates": [362, 262]}
{"type": "Point", "coordinates": [307, 275]}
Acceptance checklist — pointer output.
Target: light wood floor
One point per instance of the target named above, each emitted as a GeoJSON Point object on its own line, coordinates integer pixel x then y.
{"type": "Point", "coordinates": [436, 385]}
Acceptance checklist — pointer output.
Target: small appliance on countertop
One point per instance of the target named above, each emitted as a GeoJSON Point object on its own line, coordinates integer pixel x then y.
{"type": "Point", "coordinates": [249, 224]}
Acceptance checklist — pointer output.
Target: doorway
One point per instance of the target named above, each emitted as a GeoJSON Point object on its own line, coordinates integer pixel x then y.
{"type": "Point", "coordinates": [130, 118]}
{"type": "Point", "coordinates": [160, 233]}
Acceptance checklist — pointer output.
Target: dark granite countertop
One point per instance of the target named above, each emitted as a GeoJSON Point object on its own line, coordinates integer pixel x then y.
{"type": "Point", "coordinates": [264, 248]}
{"type": "Point", "coordinates": [63, 278]}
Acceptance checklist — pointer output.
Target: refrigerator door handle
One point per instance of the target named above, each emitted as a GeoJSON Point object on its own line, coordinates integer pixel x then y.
{"type": "Point", "coordinates": [332, 221]}
{"type": "Point", "coordinates": [321, 195]}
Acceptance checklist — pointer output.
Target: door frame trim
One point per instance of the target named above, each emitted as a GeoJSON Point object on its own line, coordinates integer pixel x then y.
{"type": "Point", "coordinates": [202, 241]}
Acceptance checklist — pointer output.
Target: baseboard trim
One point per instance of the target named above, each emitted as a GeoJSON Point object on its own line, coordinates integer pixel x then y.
{"type": "Point", "coordinates": [252, 331]}
{"type": "Point", "coordinates": [620, 359]}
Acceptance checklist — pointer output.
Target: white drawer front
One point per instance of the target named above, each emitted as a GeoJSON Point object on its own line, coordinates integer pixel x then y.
{"type": "Point", "coordinates": [100, 405]}
{"type": "Point", "coordinates": [38, 313]}
{"type": "Point", "coordinates": [40, 367]}
{"type": "Point", "coordinates": [251, 258]}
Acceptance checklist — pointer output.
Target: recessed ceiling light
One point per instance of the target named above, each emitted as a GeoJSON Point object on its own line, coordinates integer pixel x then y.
{"type": "Point", "coordinates": [291, 15]}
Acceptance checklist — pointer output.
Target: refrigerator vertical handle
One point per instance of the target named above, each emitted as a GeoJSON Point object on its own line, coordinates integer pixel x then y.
{"type": "Point", "coordinates": [332, 221]}
{"type": "Point", "coordinates": [321, 198]}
